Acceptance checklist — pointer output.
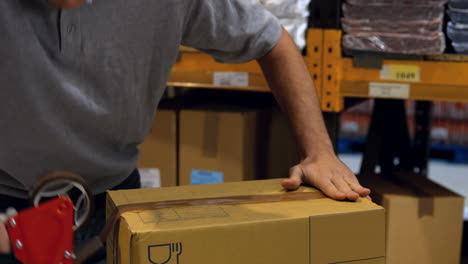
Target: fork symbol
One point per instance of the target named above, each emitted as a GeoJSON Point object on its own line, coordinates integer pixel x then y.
{"type": "Point", "coordinates": [176, 249]}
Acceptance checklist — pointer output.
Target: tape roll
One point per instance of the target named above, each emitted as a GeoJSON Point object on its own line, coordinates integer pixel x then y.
{"type": "Point", "coordinates": [67, 184]}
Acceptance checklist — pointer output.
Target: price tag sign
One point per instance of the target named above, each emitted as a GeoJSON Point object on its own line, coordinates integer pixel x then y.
{"type": "Point", "coordinates": [235, 79]}
{"type": "Point", "coordinates": [407, 73]}
{"type": "Point", "coordinates": [389, 90]}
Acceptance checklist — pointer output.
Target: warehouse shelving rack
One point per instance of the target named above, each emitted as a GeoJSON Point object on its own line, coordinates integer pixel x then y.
{"type": "Point", "coordinates": [390, 79]}
{"type": "Point", "coordinates": [342, 80]}
{"type": "Point", "coordinates": [429, 78]}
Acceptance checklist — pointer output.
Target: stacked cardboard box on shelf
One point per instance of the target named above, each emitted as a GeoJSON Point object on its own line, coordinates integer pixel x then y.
{"type": "Point", "coordinates": [211, 146]}
{"type": "Point", "coordinates": [206, 142]}
{"type": "Point", "coordinates": [424, 220]}
{"type": "Point", "coordinates": [407, 27]}
{"type": "Point", "coordinates": [245, 222]}
{"type": "Point", "coordinates": [232, 137]}
{"type": "Point", "coordinates": [158, 158]}
{"type": "Point", "coordinates": [281, 151]}
{"type": "Point", "coordinates": [217, 146]}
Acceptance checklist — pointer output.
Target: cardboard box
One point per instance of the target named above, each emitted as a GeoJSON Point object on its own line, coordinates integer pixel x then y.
{"type": "Point", "coordinates": [424, 220]}
{"type": "Point", "coordinates": [282, 153]}
{"type": "Point", "coordinates": [216, 147]}
{"type": "Point", "coordinates": [158, 153]}
{"type": "Point", "coordinates": [205, 229]}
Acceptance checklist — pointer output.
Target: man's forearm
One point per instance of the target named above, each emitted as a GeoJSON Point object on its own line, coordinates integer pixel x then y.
{"type": "Point", "coordinates": [290, 81]}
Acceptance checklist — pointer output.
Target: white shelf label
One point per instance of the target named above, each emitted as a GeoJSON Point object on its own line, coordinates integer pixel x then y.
{"type": "Point", "coordinates": [150, 178]}
{"type": "Point", "coordinates": [389, 90]}
{"type": "Point", "coordinates": [236, 79]}
{"type": "Point", "coordinates": [407, 73]}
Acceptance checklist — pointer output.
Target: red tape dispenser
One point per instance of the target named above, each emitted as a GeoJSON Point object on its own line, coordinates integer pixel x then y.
{"type": "Point", "coordinates": [44, 234]}
{"type": "Point", "coordinates": [61, 204]}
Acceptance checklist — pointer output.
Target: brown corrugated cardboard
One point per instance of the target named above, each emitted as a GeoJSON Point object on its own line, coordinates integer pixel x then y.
{"type": "Point", "coordinates": [158, 151]}
{"type": "Point", "coordinates": [424, 220]}
{"type": "Point", "coordinates": [282, 152]}
{"type": "Point", "coordinates": [217, 147]}
{"type": "Point", "coordinates": [314, 231]}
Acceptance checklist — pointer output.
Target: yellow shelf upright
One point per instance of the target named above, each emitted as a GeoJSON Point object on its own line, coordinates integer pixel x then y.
{"type": "Point", "coordinates": [332, 101]}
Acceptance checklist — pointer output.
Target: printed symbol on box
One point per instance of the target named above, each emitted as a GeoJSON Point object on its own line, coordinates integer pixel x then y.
{"type": "Point", "coordinates": [165, 253]}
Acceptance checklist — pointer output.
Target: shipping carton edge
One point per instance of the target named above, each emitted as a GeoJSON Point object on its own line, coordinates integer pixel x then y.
{"type": "Point", "coordinates": [110, 208]}
{"type": "Point", "coordinates": [380, 211]}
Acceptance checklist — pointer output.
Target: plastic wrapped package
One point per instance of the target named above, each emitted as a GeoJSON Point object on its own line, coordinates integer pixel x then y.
{"type": "Point", "coordinates": [394, 13]}
{"type": "Point", "coordinates": [457, 32]}
{"type": "Point", "coordinates": [395, 43]}
{"type": "Point", "coordinates": [398, 2]}
{"type": "Point", "coordinates": [458, 11]}
{"type": "Point", "coordinates": [293, 15]}
{"type": "Point", "coordinates": [461, 48]}
{"type": "Point", "coordinates": [425, 27]}
{"type": "Point", "coordinates": [287, 8]}
{"type": "Point", "coordinates": [297, 28]}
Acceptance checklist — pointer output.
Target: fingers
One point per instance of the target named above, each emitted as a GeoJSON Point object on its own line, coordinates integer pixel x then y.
{"type": "Point", "coordinates": [356, 186]}
{"type": "Point", "coordinates": [295, 178]}
{"type": "Point", "coordinates": [338, 183]}
{"type": "Point", "coordinates": [331, 191]}
{"type": "Point", "coordinates": [343, 187]}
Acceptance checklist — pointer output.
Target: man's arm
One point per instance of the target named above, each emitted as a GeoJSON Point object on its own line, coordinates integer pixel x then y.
{"type": "Point", "coordinates": [290, 81]}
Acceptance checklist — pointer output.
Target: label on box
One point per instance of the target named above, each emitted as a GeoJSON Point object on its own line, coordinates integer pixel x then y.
{"type": "Point", "coordinates": [408, 73]}
{"type": "Point", "coordinates": [150, 178]}
{"type": "Point", "coordinates": [237, 79]}
{"type": "Point", "coordinates": [198, 177]}
{"type": "Point", "coordinates": [389, 90]}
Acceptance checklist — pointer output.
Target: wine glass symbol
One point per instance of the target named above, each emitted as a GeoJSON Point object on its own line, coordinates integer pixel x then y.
{"type": "Point", "coordinates": [165, 253]}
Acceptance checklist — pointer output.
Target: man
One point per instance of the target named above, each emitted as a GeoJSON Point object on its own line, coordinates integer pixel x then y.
{"type": "Point", "coordinates": [80, 84]}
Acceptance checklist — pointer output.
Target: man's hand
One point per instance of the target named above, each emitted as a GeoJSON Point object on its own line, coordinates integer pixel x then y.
{"type": "Point", "coordinates": [4, 240]}
{"type": "Point", "coordinates": [328, 174]}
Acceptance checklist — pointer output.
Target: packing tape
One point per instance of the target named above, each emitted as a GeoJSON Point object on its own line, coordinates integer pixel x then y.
{"type": "Point", "coordinates": [113, 222]}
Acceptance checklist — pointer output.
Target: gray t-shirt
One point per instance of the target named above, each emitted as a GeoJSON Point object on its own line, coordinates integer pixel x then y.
{"type": "Point", "coordinates": [79, 88]}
